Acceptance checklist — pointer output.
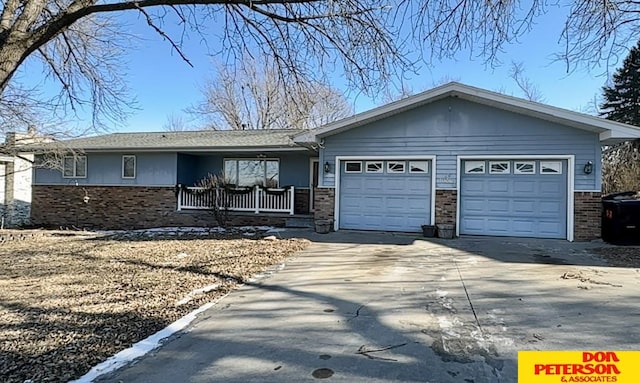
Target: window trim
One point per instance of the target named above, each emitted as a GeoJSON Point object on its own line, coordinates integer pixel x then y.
{"type": "Point", "coordinates": [236, 159]}
{"type": "Point", "coordinates": [467, 169]}
{"type": "Point", "coordinates": [380, 170]}
{"type": "Point", "coordinates": [135, 165]}
{"type": "Point", "coordinates": [506, 171]}
{"type": "Point", "coordinates": [391, 171]}
{"type": "Point", "coordinates": [426, 168]}
{"type": "Point", "coordinates": [75, 166]}
{"type": "Point", "coordinates": [518, 171]}
{"type": "Point", "coordinates": [347, 163]}
{"type": "Point", "coordinates": [547, 163]}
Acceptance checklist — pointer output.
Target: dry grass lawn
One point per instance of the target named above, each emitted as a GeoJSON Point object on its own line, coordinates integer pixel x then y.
{"type": "Point", "coordinates": [69, 302]}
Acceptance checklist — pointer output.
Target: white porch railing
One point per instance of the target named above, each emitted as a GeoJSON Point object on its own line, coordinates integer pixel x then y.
{"type": "Point", "coordinates": [257, 200]}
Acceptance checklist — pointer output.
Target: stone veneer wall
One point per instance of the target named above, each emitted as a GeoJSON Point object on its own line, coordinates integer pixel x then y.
{"type": "Point", "coordinates": [587, 215]}
{"type": "Point", "coordinates": [446, 204]}
{"type": "Point", "coordinates": [324, 204]}
{"type": "Point", "coordinates": [301, 201]}
{"type": "Point", "coordinates": [123, 207]}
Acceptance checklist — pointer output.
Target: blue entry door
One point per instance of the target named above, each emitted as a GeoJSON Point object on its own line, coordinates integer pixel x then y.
{"type": "Point", "coordinates": [389, 195]}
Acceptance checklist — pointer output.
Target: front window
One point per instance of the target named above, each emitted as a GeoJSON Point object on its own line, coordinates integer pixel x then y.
{"type": "Point", "coordinates": [252, 172]}
{"type": "Point", "coordinates": [74, 167]}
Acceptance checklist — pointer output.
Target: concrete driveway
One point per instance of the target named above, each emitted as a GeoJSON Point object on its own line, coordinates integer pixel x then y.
{"type": "Point", "coordinates": [375, 307]}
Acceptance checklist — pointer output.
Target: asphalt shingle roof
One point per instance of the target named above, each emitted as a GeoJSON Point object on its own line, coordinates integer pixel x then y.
{"type": "Point", "coordinates": [203, 139]}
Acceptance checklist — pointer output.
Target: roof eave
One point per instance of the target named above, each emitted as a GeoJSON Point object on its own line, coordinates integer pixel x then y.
{"type": "Point", "coordinates": [194, 149]}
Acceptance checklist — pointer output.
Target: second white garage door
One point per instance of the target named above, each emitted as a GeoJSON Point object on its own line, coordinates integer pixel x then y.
{"type": "Point", "coordinates": [390, 195]}
{"type": "Point", "coordinates": [519, 198]}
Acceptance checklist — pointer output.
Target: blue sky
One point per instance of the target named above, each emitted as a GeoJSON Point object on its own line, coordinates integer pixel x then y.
{"type": "Point", "coordinates": [163, 84]}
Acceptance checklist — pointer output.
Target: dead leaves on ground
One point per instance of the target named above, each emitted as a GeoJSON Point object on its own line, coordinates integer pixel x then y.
{"type": "Point", "coordinates": [67, 303]}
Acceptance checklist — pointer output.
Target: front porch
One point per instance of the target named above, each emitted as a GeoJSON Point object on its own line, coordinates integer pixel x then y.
{"type": "Point", "coordinates": [256, 199]}
{"type": "Point", "coordinates": [259, 182]}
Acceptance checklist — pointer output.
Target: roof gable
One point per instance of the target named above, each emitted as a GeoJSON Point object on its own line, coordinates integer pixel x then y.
{"type": "Point", "coordinates": [609, 131]}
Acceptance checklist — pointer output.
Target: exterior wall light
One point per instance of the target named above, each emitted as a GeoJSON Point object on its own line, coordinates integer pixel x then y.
{"type": "Point", "coordinates": [588, 167]}
{"type": "Point", "coordinates": [327, 167]}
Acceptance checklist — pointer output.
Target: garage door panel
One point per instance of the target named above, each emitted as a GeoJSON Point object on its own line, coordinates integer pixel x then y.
{"type": "Point", "coordinates": [498, 225]}
{"type": "Point", "coordinates": [352, 202]}
{"type": "Point", "coordinates": [498, 205]}
{"type": "Point", "coordinates": [523, 228]}
{"type": "Point", "coordinates": [352, 184]}
{"type": "Point", "coordinates": [550, 187]}
{"type": "Point", "coordinates": [475, 205]}
{"type": "Point", "coordinates": [417, 184]}
{"type": "Point", "coordinates": [498, 186]}
{"type": "Point", "coordinates": [528, 205]}
{"type": "Point", "coordinates": [372, 203]}
{"type": "Point", "coordinates": [395, 202]}
{"type": "Point", "coordinates": [524, 207]}
{"type": "Point", "coordinates": [374, 184]}
{"type": "Point", "coordinates": [520, 186]}
{"type": "Point", "coordinates": [415, 203]}
{"type": "Point", "coordinates": [550, 207]}
{"type": "Point", "coordinates": [473, 186]}
{"type": "Point", "coordinates": [473, 225]}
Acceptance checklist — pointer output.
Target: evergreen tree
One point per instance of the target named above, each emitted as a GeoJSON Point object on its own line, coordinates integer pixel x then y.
{"type": "Point", "coordinates": [622, 98]}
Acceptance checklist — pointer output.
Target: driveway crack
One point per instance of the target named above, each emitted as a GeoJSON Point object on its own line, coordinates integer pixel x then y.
{"type": "Point", "coordinates": [464, 286]}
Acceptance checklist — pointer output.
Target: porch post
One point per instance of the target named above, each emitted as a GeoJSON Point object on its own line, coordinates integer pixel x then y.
{"type": "Point", "coordinates": [256, 189]}
{"type": "Point", "coordinates": [179, 197]}
{"type": "Point", "coordinates": [292, 200]}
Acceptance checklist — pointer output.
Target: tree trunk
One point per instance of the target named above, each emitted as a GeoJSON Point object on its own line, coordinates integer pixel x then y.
{"type": "Point", "coordinates": [12, 54]}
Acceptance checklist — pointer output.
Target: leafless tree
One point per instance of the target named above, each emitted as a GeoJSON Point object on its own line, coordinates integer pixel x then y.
{"type": "Point", "coordinates": [621, 167]}
{"type": "Point", "coordinates": [530, 90]}
{"type": "Point", "coordinates": [254, 96]}
{"type": "Point", "coordinates": [176, 123]}
{"type": "Point", "coordinates": [79, 44]}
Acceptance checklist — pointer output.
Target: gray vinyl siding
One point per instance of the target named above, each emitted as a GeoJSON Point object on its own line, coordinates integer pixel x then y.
{"type": "Point", "coordinates": [452, 127]}
{"type": "Point", "coordinates": [152, 169]}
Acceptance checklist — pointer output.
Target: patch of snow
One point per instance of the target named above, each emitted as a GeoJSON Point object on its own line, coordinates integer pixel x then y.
{"type": "Point", "coordinates": [141, 348]}
{"type": "Point", "coordinates": [441, 293]}
{"type": "Point", "coordinates": [195, 292]}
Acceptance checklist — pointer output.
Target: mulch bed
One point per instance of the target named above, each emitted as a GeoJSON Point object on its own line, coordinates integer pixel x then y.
{"type": "Point", "coordinates": [621, 256]}
{"type": "Point", "coordinates": [68, 301]}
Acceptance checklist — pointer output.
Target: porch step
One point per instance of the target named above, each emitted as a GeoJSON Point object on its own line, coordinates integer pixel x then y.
{"type": "Point", "coordinates": [299, 222]}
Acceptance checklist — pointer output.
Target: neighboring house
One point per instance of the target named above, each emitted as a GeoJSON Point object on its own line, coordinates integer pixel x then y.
{"type": "Point", "coordinates": [15, 180]}
{"type": "Point", "coordinates": [489, 163]}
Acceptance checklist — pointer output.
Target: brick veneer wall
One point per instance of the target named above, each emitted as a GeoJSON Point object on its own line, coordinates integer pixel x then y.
{"type": "Point", "coordinates": [587, 215]}
{"type": "Point", "coordinates": [301, 201]}
{"type": "Point", "coordinates": [123, 207]}
{"type": "Point", "coordinates": [324, 203]}
{"type": "Point", "coordinates": [446, 203]}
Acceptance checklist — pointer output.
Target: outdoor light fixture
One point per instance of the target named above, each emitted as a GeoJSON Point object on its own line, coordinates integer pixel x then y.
{"type": "Point", "coordinates": [588, 167]}
{"type": "Point", "coordinates": [327, 167]}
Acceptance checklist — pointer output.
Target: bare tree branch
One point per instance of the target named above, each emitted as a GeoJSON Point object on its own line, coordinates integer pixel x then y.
{"type": "Point", "coordinates": [255, 97]}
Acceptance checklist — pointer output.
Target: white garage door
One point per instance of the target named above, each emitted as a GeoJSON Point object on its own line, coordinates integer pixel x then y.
{"type": "Point", "coordinates": [390, 195]}
{"type": "Point", "coordinates": [520, 198]}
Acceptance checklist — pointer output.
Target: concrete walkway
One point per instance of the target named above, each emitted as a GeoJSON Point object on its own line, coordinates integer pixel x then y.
{"type": "Point", "coordinates": [374, 307]}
